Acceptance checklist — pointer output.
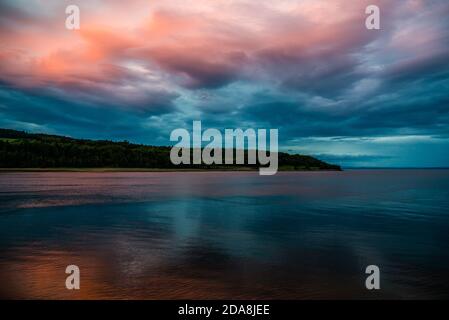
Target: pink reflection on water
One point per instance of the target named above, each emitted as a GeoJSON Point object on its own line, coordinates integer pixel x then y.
{"type": "Point", "coordinates": [45, 189]}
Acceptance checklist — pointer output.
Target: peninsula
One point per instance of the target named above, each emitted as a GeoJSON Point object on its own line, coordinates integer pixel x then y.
{"type": "Point", "coordinates": [35, 151]}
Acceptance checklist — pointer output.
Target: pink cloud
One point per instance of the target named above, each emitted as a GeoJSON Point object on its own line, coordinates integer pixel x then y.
{"type": "Point", "coordinates": [205, 44]}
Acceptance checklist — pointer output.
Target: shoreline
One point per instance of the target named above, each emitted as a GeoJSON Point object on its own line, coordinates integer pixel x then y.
{"type": "Point", "coordinates": [242, 169]}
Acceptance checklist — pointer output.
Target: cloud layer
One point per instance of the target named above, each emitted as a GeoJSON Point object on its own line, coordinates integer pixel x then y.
{"type": "Point", "coordinates": [138, 69]}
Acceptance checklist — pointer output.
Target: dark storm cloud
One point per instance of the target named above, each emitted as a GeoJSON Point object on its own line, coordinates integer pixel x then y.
{"type": "Point", "coordinates": [196, 72]}
{"type": "Point", "coordinates": [43, 113]}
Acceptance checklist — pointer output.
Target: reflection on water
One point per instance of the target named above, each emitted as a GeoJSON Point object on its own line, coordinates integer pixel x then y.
{"type": "Point", "coordinates": [225, 235]}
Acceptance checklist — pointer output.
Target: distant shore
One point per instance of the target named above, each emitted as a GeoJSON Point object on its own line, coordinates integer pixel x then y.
{"type": "Point", "coordinates": [22, 151]}
{"type": "Point", "coordinates": [238, 169]}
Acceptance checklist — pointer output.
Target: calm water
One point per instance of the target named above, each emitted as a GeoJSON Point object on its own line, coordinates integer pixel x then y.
{"type": "Point", "coordinates": [225, 235]}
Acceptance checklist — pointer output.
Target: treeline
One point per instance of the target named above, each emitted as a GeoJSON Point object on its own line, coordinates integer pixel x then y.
{"type": "Point", "coordinates": [19, 149]}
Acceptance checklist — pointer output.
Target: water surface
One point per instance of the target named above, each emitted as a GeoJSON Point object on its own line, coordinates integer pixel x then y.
{"type": "Point", "coordinates": [209, 235]}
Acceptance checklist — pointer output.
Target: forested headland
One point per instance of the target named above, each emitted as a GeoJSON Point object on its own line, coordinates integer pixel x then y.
{"type": "Point", "coordinates": [19, 149]}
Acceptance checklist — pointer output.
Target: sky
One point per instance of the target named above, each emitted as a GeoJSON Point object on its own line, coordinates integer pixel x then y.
{"type": "Point", "coordinates": [136, 70]}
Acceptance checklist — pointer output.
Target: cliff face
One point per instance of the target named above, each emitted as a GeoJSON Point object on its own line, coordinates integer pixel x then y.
{"type": "Point", "coordinates": [19, 149]}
